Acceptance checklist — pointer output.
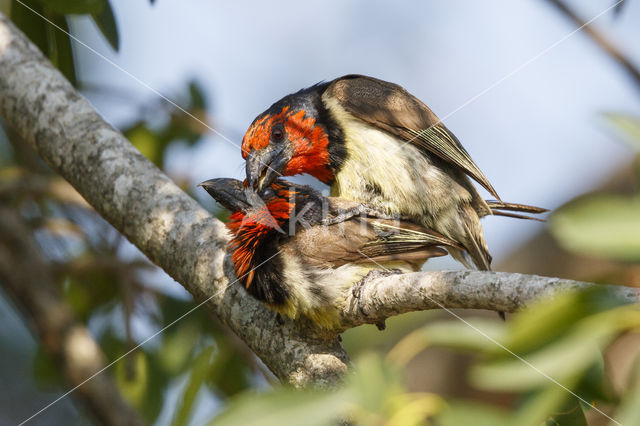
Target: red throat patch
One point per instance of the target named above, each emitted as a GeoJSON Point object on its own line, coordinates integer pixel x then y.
{"type": "Point", "coordinates": [310, 142]}
{"type": "Point", "coordinates": [250, 230]}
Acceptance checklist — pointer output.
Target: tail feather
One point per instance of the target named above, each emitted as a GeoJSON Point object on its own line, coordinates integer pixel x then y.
{"type": "Point", "coordinates": [474, 242]}
{"type": "Point", "coordinates": [500, 208]}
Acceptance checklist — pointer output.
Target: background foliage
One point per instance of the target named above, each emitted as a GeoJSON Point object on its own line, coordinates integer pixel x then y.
{"type": "Point", "coordinates": [196, 364]}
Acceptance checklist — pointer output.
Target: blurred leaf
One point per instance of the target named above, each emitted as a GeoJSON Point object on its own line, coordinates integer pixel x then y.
{"type": "Point", "coordinates": [30, 23]}
{"type": "Point", "coordinates": [629, 410]}
{"type": "Point", "coordinates": [449, 334]}
{"type": "Point", "coordinates": [539, 406]}
{"type": "Point", "coordinates": [146, 142]}
{"type": "Point", "coordinates": [546, 320]}
{"type": "Point", "coordinates": [177, 345]}
{"type": "Point", "coordinates": [600, 225]}
{"type": "Point", "coordinates": [628, 125]}
{"type": "Point", "coordinates": [471, 413]}
{"type": "Point", "coordinates": [74, 6]}
{"type": "Point", "coordinates": [374, 382]}
{"type": "Point", "coordinates": [228, 372]}
{"type": "Point", "coordinates": [199, 370]}
{"type": "Point", "coordinates": [132, 376]}
{"type": "Point", "coordinates": [106, 22]}
{"type": "Point", "coordinates": [570, 415]}
{"type": "Point", "coordinates": [619, 5]}
{"type": "Point", "coordinates": [563, 361]}
{"type": "Point", "coordinates": [413, 408]}
{"type": "Point", "coordinates": [45, 371]}
{"type": "Point", "coordinates": [285, 407]}
{"type": "Point", "coordinates": [196, 93]}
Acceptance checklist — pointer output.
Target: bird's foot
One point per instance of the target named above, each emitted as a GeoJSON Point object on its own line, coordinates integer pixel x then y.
{"type": "Point", "coordinates": [356, 289]}
{"type": "Point", "coordinates": [360, 210]}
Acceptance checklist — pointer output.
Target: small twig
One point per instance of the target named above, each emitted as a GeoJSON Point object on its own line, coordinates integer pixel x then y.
{"type": "Point", "coordinates": [605, 44]}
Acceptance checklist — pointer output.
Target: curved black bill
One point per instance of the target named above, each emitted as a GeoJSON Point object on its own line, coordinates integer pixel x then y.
{"type": "Point", "coordinates": [265, 165]}
{"type": "Point", "coordinates": [231, 193]}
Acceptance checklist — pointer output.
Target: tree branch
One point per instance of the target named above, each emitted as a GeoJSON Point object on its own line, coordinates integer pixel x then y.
{"type": "Point", "coordinates": [384, 297]}
{"type": "Point", "coordinates": [168, 226]}
{"type": "Point", "coordinates": [176, 233]}
{"type": "Point", "coordinates": [600, 40]}
{"type": "Point", "coordinates": [29, 279]}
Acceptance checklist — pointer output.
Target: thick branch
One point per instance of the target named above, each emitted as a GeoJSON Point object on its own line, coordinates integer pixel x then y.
{"type": "Point", "coordinates": [29, 279]}
{"type": "Point", "coordinates": [381, 298]}
{"type": "Point", "coordinates": [168, 226]}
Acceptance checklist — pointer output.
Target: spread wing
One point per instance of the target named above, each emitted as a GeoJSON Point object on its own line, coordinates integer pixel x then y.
{"type": "Point", "coordinates": [391, 108]}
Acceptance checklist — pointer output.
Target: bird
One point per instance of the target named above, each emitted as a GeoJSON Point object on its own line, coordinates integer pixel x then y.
{"type": "Point", "coordinates": [286, 256]}
{"type": "Point", "coordinates": [375, 143]}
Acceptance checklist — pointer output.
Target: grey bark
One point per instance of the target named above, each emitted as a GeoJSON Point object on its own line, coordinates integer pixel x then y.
{"type": "Point", "coordinates": [167, 225]}
{"type": "Point", "coordinates": [177, 234]}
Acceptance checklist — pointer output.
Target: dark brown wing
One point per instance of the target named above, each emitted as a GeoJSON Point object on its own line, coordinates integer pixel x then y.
{"type": "Point", "coordinates": [391, 108]}
{"type": "Point", "coordinates": [362, 240]}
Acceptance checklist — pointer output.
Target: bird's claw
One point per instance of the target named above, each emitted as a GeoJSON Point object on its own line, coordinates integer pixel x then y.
{"type": "Point", "coordinates": [356, 289]}
{"type": "Point", "coordinates": [360, 210]}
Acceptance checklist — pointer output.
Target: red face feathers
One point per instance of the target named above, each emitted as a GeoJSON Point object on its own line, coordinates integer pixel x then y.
{"type": "Point", "coordinates": [258, 223]}
{"type": "Point", "coordinates": [295, 135]}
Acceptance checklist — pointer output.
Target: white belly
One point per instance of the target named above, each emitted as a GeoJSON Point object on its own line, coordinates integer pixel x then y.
{"type": "Point", "coordinates": [387, 172]}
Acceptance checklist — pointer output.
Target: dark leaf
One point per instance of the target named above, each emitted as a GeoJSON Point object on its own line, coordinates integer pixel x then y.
{"type": "Point", "coordinates": [30, 23]}
{"type": "Point", "coordinates": [619, 5]}
{"type": "Point", "coordinates": [79, 7]}
{"type": "Point", "coordinates": [61, 53]}
{"type": "Point", "coordinates": [106, 22]}
{"type": "Point", "coordinates": [603, 225]}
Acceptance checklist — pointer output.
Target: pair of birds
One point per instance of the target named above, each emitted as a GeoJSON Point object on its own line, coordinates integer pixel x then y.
{"type": "Point", "coordinates": [400, 186]}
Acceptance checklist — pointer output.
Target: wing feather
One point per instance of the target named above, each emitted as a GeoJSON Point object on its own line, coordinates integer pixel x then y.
{"type": "Point", "coordinates": [391, 108]}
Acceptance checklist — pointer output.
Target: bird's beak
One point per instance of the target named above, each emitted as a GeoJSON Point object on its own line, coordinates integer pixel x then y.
{"type": "Point", "coordinates": [231, 193]}
{"type": "Point", "coordinates": [266, 164]}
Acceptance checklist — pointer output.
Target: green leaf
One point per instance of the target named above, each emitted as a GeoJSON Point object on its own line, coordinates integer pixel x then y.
{"type": "Point", "coordinates": [471, 413]}
{"type": "Point", "coordinates": [79, 7]}
{"type": "Point", "coordinates": [629, 410]}
{"type": "Point", "coordinates": [449, 334]}
{"type": "Point", "coordinates": [565, 361]}
{"type": "Point", "coordinates": [199, 371]}
{"type": "Point", "coordinates": [600, 225]}
{"type": "Point", "coordinates": [132, 377]}
{"type": "Point", "coordinates": [30, 23]}
{"type": "Point", "coordinates": [106, 22]}
{"type": "Point", "coordinates": [374, 383]}
{"type": "Point", "coordinates": [198, 98]}
{"type": "Point", "coordinates": [548, 320]}
{"type": "Point", "coordinates": [571, 414]}
{"type": "Point", "coordinates": [45, 370]}
{"type": "Point", "coordinates": [61, 53]}
{"type": "Point", "coordinates": [146, 142]}
{"type": "Point", "coordinates": [539, 406]}
{"type": "Point", "coordinates": [285, 407]}
{"type": "Point", "coordinates": [177, 345]}
{"type": "Point", "coordinates": [628, 125]}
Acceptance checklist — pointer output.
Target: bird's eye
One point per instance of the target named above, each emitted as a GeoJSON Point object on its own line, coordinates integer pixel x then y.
{"type": "Point", "coordinates": [277, 132]}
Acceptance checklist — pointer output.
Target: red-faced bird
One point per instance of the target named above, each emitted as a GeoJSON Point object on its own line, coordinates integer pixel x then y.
{"type": "Point", "coordinates": [377, 144]}
{"type": "Point", "coordinates": [287, 258]}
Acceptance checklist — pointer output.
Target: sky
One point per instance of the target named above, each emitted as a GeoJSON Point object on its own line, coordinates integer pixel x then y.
{"type": "Point", "coordinates": [523, 94]}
